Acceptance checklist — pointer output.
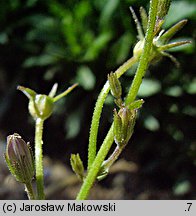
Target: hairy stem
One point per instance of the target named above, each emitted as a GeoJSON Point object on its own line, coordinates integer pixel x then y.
{"type": "Point", "coordinates": [98, 109]}
{"type": "Point", "coordinates": [92, 174]}
{"type": "Point", "coordinates": [39, 158]}
{"type": "Point", "coordinates": [95, 164]}
{"type": "Point", "coordinates": [144, 59]}
{"type": "Point", "coordinates": [29, 190]}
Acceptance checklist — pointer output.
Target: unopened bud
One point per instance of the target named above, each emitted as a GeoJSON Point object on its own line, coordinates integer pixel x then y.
{"type": "Point", "coordinates": [77, 165]}
{"type": "Point", "coordinates": [115, 85]}
{"type": "Point", "coordinates": [124, 122]}
{"type": "Point", "coordinates": [138, 49]}
{"type": "Point", "coordinates": [19, 158]}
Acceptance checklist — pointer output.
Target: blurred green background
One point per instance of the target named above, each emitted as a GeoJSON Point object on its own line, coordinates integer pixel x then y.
{"type": "Point", "coordinates": [43, 42]}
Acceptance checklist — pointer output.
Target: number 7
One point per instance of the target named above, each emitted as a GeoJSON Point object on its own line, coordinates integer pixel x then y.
{"type": "Point", "coordinates": [190, 204]}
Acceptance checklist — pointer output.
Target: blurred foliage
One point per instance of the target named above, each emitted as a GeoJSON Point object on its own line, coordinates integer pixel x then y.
{"type": "Point", "coordinates": [42, 42]}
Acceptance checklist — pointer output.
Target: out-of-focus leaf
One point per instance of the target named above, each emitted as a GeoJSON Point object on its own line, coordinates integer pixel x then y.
{"type": "Point", "coordinates": [121, 49]}
{"type": "Point", "coordinates": [42, 60]}
{"type": "Point", "coordinates": [3, 38]}
{"type": "Point", "coordinates": [107, 12]}
{"type": "Point", "coordinates": [182, 188]}
{"type": "Point", "coordinates": [151, 123]}
{"type": "Point", "coordinates": [189, 110]}
{"type": "Point", "coordinates": [175, 132]}
{"type": "Point", "coordinates": [149, 87]}
{"type": "Point", "coordinates": [180, 10]}
{"type": "Point", "coordinates": [50, 73]}
{"type": "Point", "coordinates": [72, 125]}
{"type": "Point", "coordinates": [109, 100]}
{"type": "Point", "coordinates": [85, 78]}
{"type": "Point", "coordinates": [98, 44]}
{"type": "Point", "coordinates": [174, 91]}
{"type": "Point", "coordinates": [173, 108]}
{"type": "Point", "coordinates": [82, 10]}
{"type": "Point", "coordinates": [178, 135]}
{"type": "Point", "coordinates": [191, 87]}
{"type": "Point", "coordinates": [31, 3]}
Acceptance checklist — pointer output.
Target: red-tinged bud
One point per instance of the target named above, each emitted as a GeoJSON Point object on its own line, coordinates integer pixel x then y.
{"type": "Point", "coordinates": [19, 158]}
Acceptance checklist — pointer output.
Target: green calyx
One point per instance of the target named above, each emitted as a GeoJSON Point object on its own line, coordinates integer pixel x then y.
{"type": "Point", "coordinates": [161, 37]}
{"type": "Point", "coordinates": [41, 105]}
{"type": "Point", "coordinates": [124, 122]}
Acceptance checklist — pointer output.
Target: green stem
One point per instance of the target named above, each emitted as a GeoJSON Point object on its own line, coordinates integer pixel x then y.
{"type": "Point", "coordinates": [95, 164]}
{"type": "Point", "coordinates": [98, 109]}
{"type": "Point", "coordinates": [144, 60]}
{"type": "Point", "coordinates": [39, 158]}
{"type": "Point", "coordinates": [29, 190]}
{"type": "Point", "coordinates": [92, 173]}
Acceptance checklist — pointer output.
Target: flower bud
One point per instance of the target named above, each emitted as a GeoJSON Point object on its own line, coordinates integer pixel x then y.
{"type": "Point", "coordinates": [138, 49]}
{"type": "Point", "coordinates": [124, 122]}
{"type": "Point", "coordinates": [41, 106]}
{"type": "Point", "coordinates": [19, 158]}
{"type": "Point", "coordinates": [77, 165]}
{"type": "Point", "coordinates": [115, 85]}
